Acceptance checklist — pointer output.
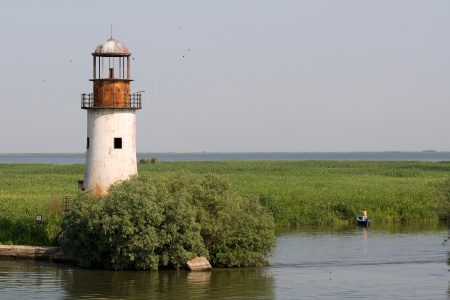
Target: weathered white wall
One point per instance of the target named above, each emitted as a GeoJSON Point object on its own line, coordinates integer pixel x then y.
{"type": "Point", "coordinates": [104, 164]}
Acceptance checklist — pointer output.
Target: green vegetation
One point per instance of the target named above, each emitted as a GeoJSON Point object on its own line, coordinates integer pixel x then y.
{"type": "Point", "coordinates": [148, 160]}
{"type": "Point", "coordinates": [325, 192]}
{"type": "Point", "coordinates": [148, 223]}
{"type": "Point", "coordinates": [30, 189]}
{"type": "Point", "coordinates": [297, 192]}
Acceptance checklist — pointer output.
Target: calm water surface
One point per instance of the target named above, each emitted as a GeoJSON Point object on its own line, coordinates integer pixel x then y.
{"type": "Point", "coordinates": [405, 262]}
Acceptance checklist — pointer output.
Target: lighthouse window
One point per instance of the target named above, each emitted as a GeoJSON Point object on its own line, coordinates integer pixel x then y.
{"type": "Point", "coordinates": [87, 143]}
{"type": "Point", "coordinates": [117, 143]}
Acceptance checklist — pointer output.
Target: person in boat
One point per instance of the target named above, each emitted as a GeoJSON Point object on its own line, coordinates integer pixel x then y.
{"type": "Point", "coordinates": [364, 214]}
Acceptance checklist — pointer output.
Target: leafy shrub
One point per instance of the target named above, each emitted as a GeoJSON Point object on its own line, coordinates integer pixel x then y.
{"type": "Point", "coordinates": [236, 231]}
{"type": "Point", "coordinates": [148, 224]}
{"type": "Point", "coordinates": [148, 160]}
{"type": "Point", "coordinates": [82, 231]}
{"type": "Point", "coordinates": [144, 161]}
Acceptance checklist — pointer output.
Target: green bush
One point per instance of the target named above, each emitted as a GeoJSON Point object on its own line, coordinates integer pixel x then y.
{"type": "Point", "coordinates": [144, 161]}
{"type": "Point", "coordinates": [148, 160]}
{"type": "Point", "coordinates": [237, 231]}
{"type": "Point", "coordinates": [146, 224]}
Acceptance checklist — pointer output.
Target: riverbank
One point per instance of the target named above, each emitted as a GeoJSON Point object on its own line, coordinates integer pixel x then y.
{"type": "Point", "coordinates": [56, 255]}
{"type": "Point", "coordinates": [33, 252]}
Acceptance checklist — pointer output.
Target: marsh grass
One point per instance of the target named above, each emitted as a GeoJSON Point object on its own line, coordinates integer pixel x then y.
{"type": "Point", "coordinates": [330, 192]}
{"type": "Point", "coordinates": [30, 189]}
{"type": "Point", "coordinates": [297, 192]}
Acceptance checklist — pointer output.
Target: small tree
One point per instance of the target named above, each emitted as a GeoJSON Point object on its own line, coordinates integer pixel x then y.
{"type": "Point", "coordinates": [146, 224]}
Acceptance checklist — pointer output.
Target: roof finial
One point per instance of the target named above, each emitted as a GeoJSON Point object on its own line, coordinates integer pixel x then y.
{"type": "Point", "coordinates": [111, 30]}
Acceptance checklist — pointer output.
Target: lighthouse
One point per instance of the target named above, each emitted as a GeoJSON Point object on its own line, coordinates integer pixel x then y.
{"type": "Point", "coordinates": [111, 119]}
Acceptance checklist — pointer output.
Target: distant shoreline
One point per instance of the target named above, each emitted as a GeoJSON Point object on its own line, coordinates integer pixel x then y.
{"type": "Point", "coordinates": [236, 152]}
{"type": "Point", "coordinates": [79, 158]}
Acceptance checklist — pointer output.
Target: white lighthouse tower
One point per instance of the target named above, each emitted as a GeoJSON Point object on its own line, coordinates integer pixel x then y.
{"type": "Point", "coordinates": [111, 119]}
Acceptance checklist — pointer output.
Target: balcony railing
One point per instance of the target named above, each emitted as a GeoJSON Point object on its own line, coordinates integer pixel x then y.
{"type": "Point", "coordinates": [134, 101]}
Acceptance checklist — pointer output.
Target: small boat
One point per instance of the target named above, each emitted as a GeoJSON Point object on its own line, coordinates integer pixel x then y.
{"type": "Point", "coordinates": [362, 222]}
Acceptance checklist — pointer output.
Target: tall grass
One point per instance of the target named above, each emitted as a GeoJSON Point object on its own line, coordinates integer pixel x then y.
{"type": "Point", "coordinates": [30, 189]}
{"type": "Point", "coordinates": [322, 192]}
{"type": "Point", "coordinates": [297, 192]}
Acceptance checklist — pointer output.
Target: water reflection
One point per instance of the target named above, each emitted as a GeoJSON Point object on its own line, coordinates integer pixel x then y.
{"type": "Point", "coordinates": [249, 283]}
{"type": "Point", "coordinates": [364, 230]}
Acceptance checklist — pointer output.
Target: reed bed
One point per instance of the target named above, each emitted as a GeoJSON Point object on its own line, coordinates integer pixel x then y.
{"type": "Point", "coordinates": [325, 192]}
{"type": "Point", "coordinates": [30, 189]}
{"type": "Point", "coordinates": [297, 192]}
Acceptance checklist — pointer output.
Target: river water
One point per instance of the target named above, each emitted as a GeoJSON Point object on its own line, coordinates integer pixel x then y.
{"type": "Point", "coordinates": [381, 262]}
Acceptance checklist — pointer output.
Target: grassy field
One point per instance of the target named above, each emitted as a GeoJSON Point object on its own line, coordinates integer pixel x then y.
{"type": "Point", "coordinates": [297, 192]}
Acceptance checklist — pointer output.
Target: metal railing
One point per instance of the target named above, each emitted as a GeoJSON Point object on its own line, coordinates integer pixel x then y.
{"type": "Point", "coordinates": [67, 203]}
{"type": "Point", "coordinates": [134, 101]}
{"type": "Point", "coordinates": [87, 100]}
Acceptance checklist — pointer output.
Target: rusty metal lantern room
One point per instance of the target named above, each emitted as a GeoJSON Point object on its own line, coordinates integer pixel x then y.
{"type": "Point", "coordinates": [111, 78]}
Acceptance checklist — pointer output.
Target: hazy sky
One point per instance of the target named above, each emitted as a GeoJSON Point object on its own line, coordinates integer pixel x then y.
{"type": "Point", "coordinates": [234, 76]}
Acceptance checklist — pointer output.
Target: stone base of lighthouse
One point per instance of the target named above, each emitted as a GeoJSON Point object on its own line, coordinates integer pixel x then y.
{"type": "Point", "coordinates": [111, 148]}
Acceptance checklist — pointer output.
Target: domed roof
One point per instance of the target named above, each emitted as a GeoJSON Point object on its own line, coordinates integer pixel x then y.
{"type": "Point", "coordinates": [111, 46]}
